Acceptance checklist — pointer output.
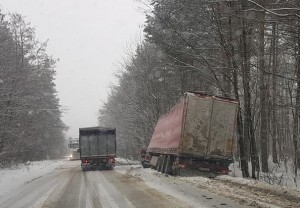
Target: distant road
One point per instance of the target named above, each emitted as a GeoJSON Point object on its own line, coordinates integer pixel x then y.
{"type": "Point", "coordinates": [73, 188]}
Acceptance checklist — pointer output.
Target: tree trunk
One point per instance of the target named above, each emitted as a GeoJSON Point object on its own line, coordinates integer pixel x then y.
{"type": "Point", "coordinates": [297, 108]}
{"type": "Point", "coordinates": [248, 123]}
{"type": "Point", "coordinates": [263, 94]}
{"type": "Point", "coordinates": [229, 54]}
{"type": "Point", "coordinates": [241, 139]}
{"type": "Point", "coordinates": [274, 94]}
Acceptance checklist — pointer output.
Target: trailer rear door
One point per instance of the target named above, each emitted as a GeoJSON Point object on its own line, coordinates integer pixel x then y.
{"type": "Point", "coordinates": [223, 118]}
{"type": "Point", "coordinates": [196, 125]}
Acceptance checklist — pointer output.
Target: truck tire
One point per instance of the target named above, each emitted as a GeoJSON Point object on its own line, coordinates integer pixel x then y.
{"type": "Point", "coordinates": [167, 166]}
{"type": "Point", "coordinates": [159, 163]}
{"type": "Point", "coordinates": [174, 166]}
{"type": "Point", "coordinates": [163, 166]}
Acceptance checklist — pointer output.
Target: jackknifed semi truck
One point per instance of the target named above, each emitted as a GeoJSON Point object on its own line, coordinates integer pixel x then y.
{"type": "Point", "coordinates": [97, 147]}
{"type": "Point", "coordinates": [197, 133]}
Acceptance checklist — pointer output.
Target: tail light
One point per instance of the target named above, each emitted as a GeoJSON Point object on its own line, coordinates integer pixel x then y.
{"type": "Point", "coordinates": [85, 161]}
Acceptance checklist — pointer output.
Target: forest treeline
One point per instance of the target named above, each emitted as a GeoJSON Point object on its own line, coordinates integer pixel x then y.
{"type": "Point", "coordinates": [248, 50]}
{"type": "Point", "coordinates": [30, 115]}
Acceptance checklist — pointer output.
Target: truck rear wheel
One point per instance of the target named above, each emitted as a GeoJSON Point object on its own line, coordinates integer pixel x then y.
{"type": "Point", "coordinates": [174, 166]}
{"type": "Point", "coordinates": [167, 166]}
{"type": "Point", "coordinates": [163, 166]}
{"type": "Point", "coordinates": [159, 163]}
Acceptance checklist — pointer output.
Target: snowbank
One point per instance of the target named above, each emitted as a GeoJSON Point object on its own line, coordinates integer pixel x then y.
{"type": "Point", "coordinates": [124, 161]}
{"type": "Point", "coordinates": [14, 177]}
{"type": "Point", "coordinates": [279, 175]}
{"type": "Point", "coordinates": [246, 191]}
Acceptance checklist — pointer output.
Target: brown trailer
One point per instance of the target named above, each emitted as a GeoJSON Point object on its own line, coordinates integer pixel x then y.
{"type": "Point", "coordinates": [198, 132]}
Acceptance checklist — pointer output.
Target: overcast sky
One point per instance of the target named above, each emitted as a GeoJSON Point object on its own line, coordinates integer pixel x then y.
{"type": "Point", "coordinates": [90, 38]}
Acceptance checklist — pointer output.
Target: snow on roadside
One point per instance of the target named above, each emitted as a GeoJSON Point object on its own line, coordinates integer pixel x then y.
{"type": "Point", "coordinates": [124, 161]}
{"type": "Point", "coordinates": [176, 188]}
{"type": "Point", "coordinates": [157, 181]}
{"type": "Point", "coordinates": [245, 191]}
{"type": "Point", "coordinates": [14, 177]}
{"type": "Point", "coordinates": [238, 191]}
{"type": "Point", "coordinates": [279, 174]}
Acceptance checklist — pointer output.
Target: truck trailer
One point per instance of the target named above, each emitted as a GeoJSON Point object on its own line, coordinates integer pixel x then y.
{"type": "Point", "coordinates": [197, 133]}
{"type": "Point", "coordinates": [97, 148]}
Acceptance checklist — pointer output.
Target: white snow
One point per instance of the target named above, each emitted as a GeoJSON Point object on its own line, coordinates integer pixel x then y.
{"type": "Point", "coordinates": [157, 181]}
{"type": "Point", "coordinates": [279, 175]}
{"type": "Point", "coordinates": [124, 161]}
{"type": "Point", "coordinates": [249, 191]}
{"type": "Point", "coordinates": [175, 187]}
{"type": "Point", "coordinates": [14, 177]}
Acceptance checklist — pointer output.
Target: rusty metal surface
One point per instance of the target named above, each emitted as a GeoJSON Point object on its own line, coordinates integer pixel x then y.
{"type": "Point", "coordinates": [202, 126]}
{"type": "Point", "coordinates": [209, 127]}
{"type": "Point", "coordinates": [221, 137]}
{"type": "Point", "coordinates": [196, 128]}
{"type": "Point", "coordinates": [166, 136]}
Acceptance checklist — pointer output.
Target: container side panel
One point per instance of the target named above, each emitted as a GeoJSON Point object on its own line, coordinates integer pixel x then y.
{"type": "Point", "coordinates": [197, 123]}
{"type": "Point", "coordinates": [102, 139]}
{"type": "Point", "coordinates": [167, 133]}
{"type": "Point", "coordinates": [222, 129]}
{"type": "Point", "coordinates": [93, 145]}
{"type": "Point", "coordinates": [84, 146]}
{"type": "Point", "coordinates": [111, 144]}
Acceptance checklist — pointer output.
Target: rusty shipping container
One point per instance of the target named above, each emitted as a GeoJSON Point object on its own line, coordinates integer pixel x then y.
{"type": "Point", "coordinates": [198, 128]}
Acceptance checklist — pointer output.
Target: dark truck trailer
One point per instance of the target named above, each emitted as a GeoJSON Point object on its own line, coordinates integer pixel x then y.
{"type": "Point", "coordinates": [97, 148]}
{"type": "Point", "coordinates": [198, 133]}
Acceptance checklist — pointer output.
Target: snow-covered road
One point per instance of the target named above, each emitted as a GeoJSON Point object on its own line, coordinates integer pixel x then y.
{"type": "Point", "coordinates": [244, 191]}
{"type": "Point", "coordinates": [67, 186]}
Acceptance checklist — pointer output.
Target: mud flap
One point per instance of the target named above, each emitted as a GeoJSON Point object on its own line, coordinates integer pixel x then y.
{"type": "Point", "coordinates": [153, 162]}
